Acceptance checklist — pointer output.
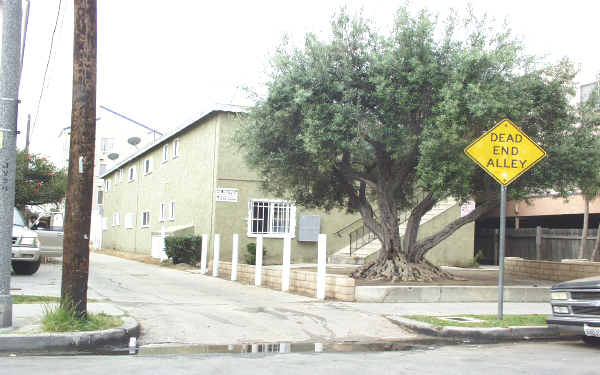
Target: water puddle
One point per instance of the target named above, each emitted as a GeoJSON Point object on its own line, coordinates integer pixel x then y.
{"type": "Point", "coordinates": [247, 349]}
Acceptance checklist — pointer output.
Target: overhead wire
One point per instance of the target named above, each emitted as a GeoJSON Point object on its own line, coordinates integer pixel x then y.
{"type": "Point", "coordinates": [37, 111]}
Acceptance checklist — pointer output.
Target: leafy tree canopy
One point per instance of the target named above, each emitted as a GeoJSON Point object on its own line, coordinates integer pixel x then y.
{"type": "Point", "coordinates": [38, 181]}
{"type": "Point", "coordinates": [377, 123]}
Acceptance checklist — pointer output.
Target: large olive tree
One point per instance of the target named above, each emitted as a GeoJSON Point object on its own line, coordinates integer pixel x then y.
{"type": "Point", "coordinates": [369, 122]}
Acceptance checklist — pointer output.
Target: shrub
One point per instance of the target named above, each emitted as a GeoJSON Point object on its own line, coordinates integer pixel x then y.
{"type": "Point", "coordinates": [251, 255]}
{"type": "Point", "coordinates": [184, 249]}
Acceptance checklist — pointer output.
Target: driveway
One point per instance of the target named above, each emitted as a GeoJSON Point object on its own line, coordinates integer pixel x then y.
{"type": "Point", "coordinates": [178, 307]}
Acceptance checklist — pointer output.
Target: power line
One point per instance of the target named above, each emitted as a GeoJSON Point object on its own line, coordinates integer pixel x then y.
{"type": "Point", "coordinates": [37, 110]}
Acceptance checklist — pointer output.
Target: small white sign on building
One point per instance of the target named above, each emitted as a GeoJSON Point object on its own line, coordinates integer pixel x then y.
{"type": "Point", "coordinates": [466, 208]}
{"type": "Point", "coordinates": [227, 195]}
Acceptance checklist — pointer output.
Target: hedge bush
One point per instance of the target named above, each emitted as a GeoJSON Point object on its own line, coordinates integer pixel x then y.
{"type": "Point", "coordinates": [184, 249]}
{"type": "Point", "coordinates": [251, 255]}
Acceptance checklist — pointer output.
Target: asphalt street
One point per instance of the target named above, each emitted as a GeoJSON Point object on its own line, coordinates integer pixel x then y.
{"type": "Point", "coordinates": [175, 307]}
{"type": "Point", "coordinates": [504, 359]}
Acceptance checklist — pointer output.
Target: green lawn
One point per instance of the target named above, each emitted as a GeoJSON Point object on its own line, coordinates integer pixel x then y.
{"type": "Point", "coordinates": [488, 320]}
{"type": "Point", "coordinates": [34, 299]}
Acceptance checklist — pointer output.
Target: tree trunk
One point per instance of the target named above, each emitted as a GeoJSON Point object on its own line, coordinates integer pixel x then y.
{"type": "Point", "coordinates": [412, 225]}
{"type": "Point", "coordinates": [584, 231]}
{"type": "Point", "coordinates": [392, 263]}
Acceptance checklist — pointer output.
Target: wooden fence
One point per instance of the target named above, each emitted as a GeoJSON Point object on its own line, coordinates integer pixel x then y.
{"type": "Point", "coordinates": [534, 243]}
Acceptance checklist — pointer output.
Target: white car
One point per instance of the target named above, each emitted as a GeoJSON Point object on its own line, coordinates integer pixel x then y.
{"type": "Point", "coordinates": [25, 254]}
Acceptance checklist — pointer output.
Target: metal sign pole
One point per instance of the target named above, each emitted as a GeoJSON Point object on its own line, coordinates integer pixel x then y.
{"type": "Point", "coordinates": [501, 252]}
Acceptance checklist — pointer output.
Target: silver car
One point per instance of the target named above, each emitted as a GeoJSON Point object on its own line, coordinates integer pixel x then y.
{"type": "Point", "coordinates": [25, 253]}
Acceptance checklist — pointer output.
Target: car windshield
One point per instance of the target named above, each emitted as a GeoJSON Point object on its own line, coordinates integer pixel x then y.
{"type": "Point", "coordinates": [17, 218]}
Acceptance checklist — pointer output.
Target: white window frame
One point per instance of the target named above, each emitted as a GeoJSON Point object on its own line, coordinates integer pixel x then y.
{"type": "Point", "coordinates": [148, 165]}
{"type": "Point", "coordinates": [165, 153]}
{"type": "Point", "coordinates": [273, 204]}
{"type": "Point", "coordinates": [131, 174]}
{"type": "Point", "coordinates": [116, 219]}
{"type": "Point", "coordinates": [163, 212]}
{"type": "Point", "coordinates": [116, 177]}
{"type": "Point", "coordinates": [172, 210]}
{"type": "Point", "coordinates": [107, 185]}
{"type": "Point", "coordinates": [121, 175]}
{"type": "Point", "coordinates": [176, 144]}
{"type": "Point", "coordinates": [129, 224]}
{"type": "Point", "coordinates": [144, 224]}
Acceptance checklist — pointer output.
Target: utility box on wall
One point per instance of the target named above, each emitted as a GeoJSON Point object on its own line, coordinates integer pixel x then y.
{"type": "Point", "coordinates": [309, 227]}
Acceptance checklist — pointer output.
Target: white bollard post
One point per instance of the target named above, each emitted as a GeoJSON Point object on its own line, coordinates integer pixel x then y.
{"type": "Point", "coordinates": [318, 347]}
{"type": "Point", "coordinates": [234, 257]}
{"type": "Point", "coordinates": [204, 254]}
{"type": "Point", "coordinates": [285, 271]}
{"type": "Point", "coordinates": [321, 265]}
{"type": "Point", "coordinates": [259, 261]}
{"type": "Point", "coordinates": [216, 254]}
{"type": "Point", "coordinates": [163, 246]}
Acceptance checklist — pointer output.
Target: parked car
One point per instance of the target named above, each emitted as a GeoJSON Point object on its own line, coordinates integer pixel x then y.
{"type": "Point", "coordinates": [25, 254]}
{"type": "Point", "coordinates": [576, 308]}
{"type": "Point", "coordinates": [49, 228]}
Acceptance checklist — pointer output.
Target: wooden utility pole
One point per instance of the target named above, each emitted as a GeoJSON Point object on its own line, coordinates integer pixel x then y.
{"type": "Point", "coordinates": [81, 160]}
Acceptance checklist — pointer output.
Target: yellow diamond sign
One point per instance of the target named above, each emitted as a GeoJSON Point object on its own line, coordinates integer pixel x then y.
{"type": "Point", "coordinates": [505, 152]}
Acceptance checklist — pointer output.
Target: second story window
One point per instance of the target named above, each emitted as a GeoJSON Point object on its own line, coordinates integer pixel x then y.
{"type": "Point", "coordinates": [176, 148]}
{"type": "Point", "coordinates": [165, 157]}
{"type": "Point", "coordinates": [131, 174]}
{"type": "Point", "coordinates": [107, 185]}
{"type": "Point", "coordinates": [148, 166]}
{"type": "Point", "coordinates": [145, 219]}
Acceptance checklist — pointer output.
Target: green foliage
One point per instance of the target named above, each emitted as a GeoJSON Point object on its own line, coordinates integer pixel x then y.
{"type": "Point", "coordinates": [38, 181]}
{"type": "Point", "coordinates": [488, 320]}
{"type": "Point", "coordinates": [365, 121]}
{"type": "Point", "coordinates": [250, 256]}
{"type": "Point", "coordinates": [477, 258]}
{"type": "Point", "coordinates": [184, 249]}
{"type": "Point", "coordinates": [33, 299]}
{"type": "Point", "coordinates": [64, 318]}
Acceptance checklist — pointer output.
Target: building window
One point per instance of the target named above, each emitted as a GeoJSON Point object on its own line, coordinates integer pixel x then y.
{"type": "Point", "coordinates": [165, 153]}
{"type": "Point", "coordinates": [107, 145]}
{"type": "Point", "coordinates": [116, 179]}
{"type": "Point", "coordinates": [102, 169]}
{"type": "Point", "coordinates": [148, 166]}
{"type": "Point", "coordinates": [129, 221]}
{"type": "Point", "coordinates": [107, 185]}
{"type": "Point", "coordinates": [145, 219]}
{"type": "Point", "coordinates": [163, 212]}
{"type": "Point", "coordinates": [121, 175]}
{"type": "Point", "coordinates": [100, 197]}
{"type": "Point", "coordinates": [176, 148]}
{"type": "Point", "coordinates": [116, 219]}
{"type": "Point", "coordinates": [172, 210]}
{"type": "Point", "coordinates": [272, 218]}
{"type": "Point", "coordinates": [131, 174]}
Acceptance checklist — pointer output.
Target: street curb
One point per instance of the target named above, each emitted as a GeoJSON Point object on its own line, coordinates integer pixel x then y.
{"type": "Point", "coordinates": [72, 340]}
{"type": "Point", "coordinates": [496, 333]}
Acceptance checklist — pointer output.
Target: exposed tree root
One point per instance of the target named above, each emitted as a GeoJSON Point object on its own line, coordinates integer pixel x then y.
{"type": "Point", "coordinates": [398, 269]}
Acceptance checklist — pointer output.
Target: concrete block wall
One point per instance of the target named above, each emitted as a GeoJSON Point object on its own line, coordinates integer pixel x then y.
{"type": "Point", "coordinates": [337, 287]}
{"type": "Point", "coordinates": [548, 270]}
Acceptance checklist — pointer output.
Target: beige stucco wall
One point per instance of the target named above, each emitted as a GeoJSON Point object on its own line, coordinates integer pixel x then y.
{"type": "Point", "coordinates": [539, 206]}
{"type": "Point", "coordinates": [456, 250]}
{"type": "Point", "coordinates": [231, 217]}
{"type": "Point", "coordinates": [207, 160]}
{"type": "Point", "coordinates": [187, 180]}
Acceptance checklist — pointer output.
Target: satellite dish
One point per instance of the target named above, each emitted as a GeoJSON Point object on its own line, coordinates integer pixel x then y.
{"type": "Point", "coordinates": [113, 156]}
{"type": "Point", "coordinates": [134, 141]}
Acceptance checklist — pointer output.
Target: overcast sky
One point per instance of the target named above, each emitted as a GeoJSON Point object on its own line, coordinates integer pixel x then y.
{"type": "Point", "coordinates": [163, 62]}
